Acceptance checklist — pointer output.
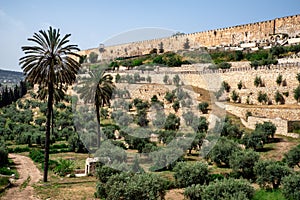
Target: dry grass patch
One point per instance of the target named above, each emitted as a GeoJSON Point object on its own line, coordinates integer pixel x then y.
{"type": "Point", "coordinates": [67, 188]}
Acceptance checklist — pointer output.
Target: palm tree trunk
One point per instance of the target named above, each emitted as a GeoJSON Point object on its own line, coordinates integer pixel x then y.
{"type": "Point", "coordinates": [48, 129]}
{"type": "Point", "coordinates": [98, 126]}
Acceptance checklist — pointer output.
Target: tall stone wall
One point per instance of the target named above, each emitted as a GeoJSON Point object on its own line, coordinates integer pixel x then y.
{"type": "Point", "coordinates": [231, 36]}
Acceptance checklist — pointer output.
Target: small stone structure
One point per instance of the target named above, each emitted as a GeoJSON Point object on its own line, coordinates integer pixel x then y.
{"type": "Point", "coordinates": [90, 165]}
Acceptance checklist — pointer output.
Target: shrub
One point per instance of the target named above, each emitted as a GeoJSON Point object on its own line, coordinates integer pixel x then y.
{"type": "Point", "coordinates": [176, 105]}
{"type": "Point", "coordinates": [279, 98]}
{"type": "Point", "coordinates": [242, 162]}
{"type": "Point", "coordinates": [292, 158]}
{"type": "Point", "coordinates": [3, 154]}
{"type": "Point", "coordinates": [262, 97]}
{"type": "Point", "coordinates": [297, 94]}
{"type": "Point", "coordinates": [234, 96]}
{"type": "Point", "coordinates": [222, 151]}
{"type": "Point", "coordinates": [267, 128]}
{"type": "Point", "coordinates": [138, 186]}
{"type": "Point", "coordinates": [224, 65]}
{"type": "Point", "coordinates": [6, 171]}
{"type": "Point", "coordinates": [230, 130]}
{"type": "Point", "coordinates": [172, 122]}
{"type": "Point", "coordinates": [221, 189]}
{"type": "Point", "coordinates": [298, 77]}
{"type": "Point", "coordinates": [36, 155]}
{"type": "Point", "coordinates": [93, 57]}
{"type": "Point", "coordinates": [279, 80]}
{"type": "Point", "coordinates": [253, 140]}
{"type": "Point", "coordinates": [270, 173]}
{"type": "Point", "coordinates": [64, 167]}
{"type": "Point", "coordinates": [258, 81]}
{"type": "Point", "coordinates": [291, 187]}
{"type": "Point", "coordinates": [240, 85]}
{"type": "Point", "coordinates": [187, 174]}
{"type": "Point", "coordinates": [200, 125]}
{"type": "Point", "coordinates": [166, 79]}
{"type": "Point", "coordinates": [103, 173]}
{"type": "Point", "coordinates": [166, 158]}
{"type": "Point", "coordinates": [203, 107]}
{"type": "Point", "coordinates": [170, 97]}
{"type": "Point", "coordinates": [226, 86]}
{"type": "Point", "coordinates": [176, 80]}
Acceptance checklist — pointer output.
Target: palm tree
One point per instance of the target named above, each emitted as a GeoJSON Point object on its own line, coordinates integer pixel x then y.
{"type": "Point", "coordinates": [97, 89]}
{"type": "Point", "coordinates": [50, 63]}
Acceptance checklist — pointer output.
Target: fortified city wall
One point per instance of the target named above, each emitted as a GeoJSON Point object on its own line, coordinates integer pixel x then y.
{"type": "Point", "coordinates": [231, 36]}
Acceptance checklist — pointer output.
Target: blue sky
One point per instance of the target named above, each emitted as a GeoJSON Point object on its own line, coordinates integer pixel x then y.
{"type": "Point", "coordinates": [92, 22]}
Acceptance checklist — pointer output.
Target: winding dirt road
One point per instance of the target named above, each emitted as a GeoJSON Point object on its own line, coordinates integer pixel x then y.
{"type": "Point", "coordinates": [29, 175]}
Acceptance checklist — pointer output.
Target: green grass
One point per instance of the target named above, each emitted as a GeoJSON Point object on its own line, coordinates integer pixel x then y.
{"type": "Point", "coordinates": [268, 195]}
{"type": "Point", "coordinates": [25, 183]}
{"type": "Point", "coordinates": [3, 181]}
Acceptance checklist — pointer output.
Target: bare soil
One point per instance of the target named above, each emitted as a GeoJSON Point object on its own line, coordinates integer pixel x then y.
{"type": "Point", "coordinates": [29, 174]}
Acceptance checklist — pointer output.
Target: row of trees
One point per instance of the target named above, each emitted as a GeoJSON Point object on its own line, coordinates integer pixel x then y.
{"type": "Point", "coordinates": [261, 96]}
{"type": "Point", "coordinates": [9, 95]}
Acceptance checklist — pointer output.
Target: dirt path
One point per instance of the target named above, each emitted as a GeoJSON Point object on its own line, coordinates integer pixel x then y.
{"type": "Point", "coordinates": [29, 174]}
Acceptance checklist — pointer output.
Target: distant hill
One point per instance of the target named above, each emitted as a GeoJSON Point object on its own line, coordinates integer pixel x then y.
{"type": "Point", "coordinates": [10, 77]}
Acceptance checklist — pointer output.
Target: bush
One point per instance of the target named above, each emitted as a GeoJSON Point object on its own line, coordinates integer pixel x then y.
{"type": "Point", "coordinates": [170, 97]}
{"type": "Point", "coordinates": [36, 155]}
{"type": "Point", "coordinates": [242, 162]}
{"type": "Point", "coordinates": [93, 57]}
{"type": "Point", "coordinates": [176, 105]}
{"type": "Point", "coordinates": [267, 128]}
{"type": "Point", "coordinates": [226, 189]}
{"type": "Point", "coordinates": [222, 151]}
{"type": "Point", "coordinates": [224, 65]}
{"type": "Point", "coordinates": [240, 85]}
{"type": "Point", "coordinates": [258, 81]}
{"type": "Point", "coordinates": [262, 97]}
{"type": "Point", "coordinates": [297, 94]}
{"type": "Point", "coordinates": [291, 187]}
{"type": "Point", "coordinates": [292, 158]}
{"type": "Point", "coordinates": [279, 98]}
{"type": "Point", "coordinates": [279, 80]}
{"type": "Point", "coordinates": [172, 122]}
{"type": "Point", "coordinates": [3, 154]}
{"type": "Point", "coordinates": [203, 107]}
{"type": "Point", "coordinates": [64, 167]}
{"type": "Point", "coordinates": [225, 86]}
{"type": "Point", "coordinates": [194, 192]}
{"type": "Point", "coordinates": [103, 173]}
{"type": "Point", "coordinates": [270, 173]}
{"type": "Point", "coordinates": [6, 171]}
{"type": "Point", "coordinates": [138, 186]}
{"type": "Point", "coordinates": [19, 150]}
{"type": "Point", "coordinates": [298, 77]}
{"type": "Point", "coordinates": [268, 195]}
{"type": "Point", "coordinates": [187, 174]}
{"type": "Point", "coordinates": [230, 130]}
{"type": "Point", "coordinates": [234, 96]}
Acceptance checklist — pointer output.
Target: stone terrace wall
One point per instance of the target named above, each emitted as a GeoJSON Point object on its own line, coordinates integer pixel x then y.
{"type": "Point", "coordinates": [279, 117]}
{"type": "Point", "coordinates": [231, 36]}
{"type": "Point", "coordinates": [212, 80]}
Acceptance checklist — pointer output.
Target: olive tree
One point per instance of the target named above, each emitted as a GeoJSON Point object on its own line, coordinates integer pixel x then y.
{"type": "Point", "coordinates": [291, 186]}
{"type": "Point", "coordinates": [270, 173]}
{"type": "Point", "coordinates": [187, 174]}
{"type": "Point", "coordinates": [243, 162]}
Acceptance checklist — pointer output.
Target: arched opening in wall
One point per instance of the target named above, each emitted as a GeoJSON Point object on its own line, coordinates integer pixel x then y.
{"type": "Point", "coordinates": [215, 33]}
{"type": "Point", "coordinates": [294, 127]}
